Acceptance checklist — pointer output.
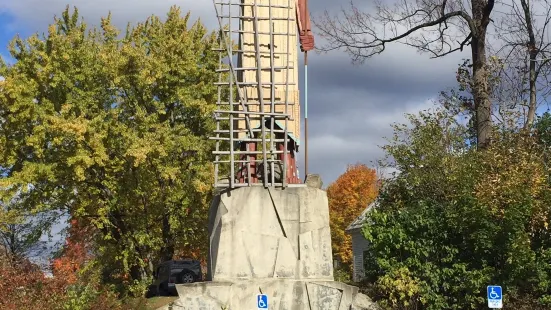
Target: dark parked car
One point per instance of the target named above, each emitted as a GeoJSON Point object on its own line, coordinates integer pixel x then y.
{"type": "Point", "coordinates": [173, 272]}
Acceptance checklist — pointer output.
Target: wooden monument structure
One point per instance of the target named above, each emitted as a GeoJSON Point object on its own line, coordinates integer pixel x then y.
{"type": "Point", "coordinates": [258, 114]}
{"type": "Point", "coordinates": [269, 235]}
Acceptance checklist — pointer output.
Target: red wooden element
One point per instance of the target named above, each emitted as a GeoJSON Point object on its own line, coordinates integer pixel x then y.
{"type": "Point", "coordinates": [306, 36]}
{"type": "Point", "coordinates": [242, 173]}
{"type": "Point", "coordinates": [292, 173]}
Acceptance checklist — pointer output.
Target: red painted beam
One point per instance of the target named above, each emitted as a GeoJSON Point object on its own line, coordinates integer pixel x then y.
{"type": "Point", "coordinates": [304, 25]}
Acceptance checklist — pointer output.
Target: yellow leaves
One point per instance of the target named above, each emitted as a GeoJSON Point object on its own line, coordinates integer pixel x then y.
{"type": "Point", "coordinates": [109, 30]}
{"type": "Point", "coordinates": [8, 217]}
{"type": "Point", "coordinates": [142, 148]}
{"type": "Point", "coordinates": [80, 162]}
{"type": "Point", "coordinates": [75, 128]}
{"type": "Point", "coordinates": [52, 30]}
{"type": "Point", "coordinates": [101, 158]}
{"type": "Point", "coordinates": [512, 174]}
{"type": "Point", "coordinates": [79, 173]}
{"type": "Point", "coordinates": [401, 287]}
{"type": "Point", "coordinates": [147, 75]}
{"type": "Point", "coordinates": [139, 154]}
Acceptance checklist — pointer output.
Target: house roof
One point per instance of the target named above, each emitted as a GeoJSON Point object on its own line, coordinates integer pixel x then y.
{"type": "Point", "coordinates": [360, 220]}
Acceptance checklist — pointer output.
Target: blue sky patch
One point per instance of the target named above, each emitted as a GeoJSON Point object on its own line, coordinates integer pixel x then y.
{"type": "Point", "coordinates": [7, 32]}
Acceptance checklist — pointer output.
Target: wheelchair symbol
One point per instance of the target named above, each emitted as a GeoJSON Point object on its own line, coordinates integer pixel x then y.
{"type": "Point", "coordinates": [262, 301]}
{"type": "Point", "coordinates": [494, 292]}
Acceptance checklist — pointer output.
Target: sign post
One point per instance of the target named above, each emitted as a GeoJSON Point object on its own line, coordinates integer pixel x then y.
{"type": "Point", "coordinates": [495, 297]}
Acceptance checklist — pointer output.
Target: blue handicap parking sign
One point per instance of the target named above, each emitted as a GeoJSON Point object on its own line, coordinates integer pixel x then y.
{"type": "Point", "coordinates": [262, 301]}
{"type": "Point", "coordinates": [495, 297]}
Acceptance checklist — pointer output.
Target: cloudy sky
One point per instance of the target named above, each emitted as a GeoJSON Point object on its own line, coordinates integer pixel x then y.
{"type": "Point", "coordinates": [350, 107]}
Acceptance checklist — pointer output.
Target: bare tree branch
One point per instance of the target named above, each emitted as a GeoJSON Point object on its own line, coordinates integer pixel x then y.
{"type": "Point", "coordinates": [525, 43]}
{"type": "Point", "coordinates": [467, 41]}
{"type": "Point", "coordinates": [429, 26]}
{"type": "Point", "coordinates": [357, 34]}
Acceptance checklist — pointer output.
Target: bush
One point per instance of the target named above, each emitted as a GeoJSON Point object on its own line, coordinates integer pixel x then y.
{"type": "Point", "coordinates": [456, 220]}
{"type": "Point", "coordinates": [24, 286]}
{"type": "Point", "coordinates": [342, 274]}
{"type": "Point", "coordinates": [90, 297]}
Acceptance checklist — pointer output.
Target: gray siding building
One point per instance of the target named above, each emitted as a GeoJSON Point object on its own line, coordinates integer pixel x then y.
{"type": "Point", "coordinates": [359, 244]}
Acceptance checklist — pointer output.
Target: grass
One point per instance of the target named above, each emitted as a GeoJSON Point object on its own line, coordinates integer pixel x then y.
{"type": "Point", "coordinates": [157, 302]}
{"type": "Point", "coordinates": [152, 303]}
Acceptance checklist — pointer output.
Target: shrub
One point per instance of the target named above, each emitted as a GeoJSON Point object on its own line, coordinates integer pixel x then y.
{"type": "Point", "coordinates": [456, 220]}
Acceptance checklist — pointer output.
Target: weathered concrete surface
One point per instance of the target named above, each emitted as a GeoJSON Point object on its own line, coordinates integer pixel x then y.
{"type": "Point", "coordinates": [314, 180]}
{"type": "Point", "coordinates": [362, 302]}
{"type": "Point", "coordinates": [259, 233]}
{"type": "Point", "coordinates": [283, 294]}
{"type": "Point", "coordinates": [274, 242]}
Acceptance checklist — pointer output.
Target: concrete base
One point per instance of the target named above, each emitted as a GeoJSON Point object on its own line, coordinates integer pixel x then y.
{"type": "Point", "coordinates": [275, 242]}
{"type": "Point", "coordinates": [283, 294]}
{"type": "Point", "coordinates": [263, 233]}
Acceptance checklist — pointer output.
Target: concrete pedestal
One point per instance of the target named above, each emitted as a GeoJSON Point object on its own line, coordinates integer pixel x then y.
{"type": "Point", "coordinates": [259, 233]}
{"type": "Point", "coordinates": [275, 242]}
{"type": "Point", "coordinates": [283, 294]}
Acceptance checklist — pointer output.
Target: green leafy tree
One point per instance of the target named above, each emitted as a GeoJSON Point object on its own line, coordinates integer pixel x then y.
{"type": "Point", "coordinates": [455, 220]}
{"type": "Point", "coordinates": [114, 130]}
{"type": "Point", "coordinates": [23, 239]}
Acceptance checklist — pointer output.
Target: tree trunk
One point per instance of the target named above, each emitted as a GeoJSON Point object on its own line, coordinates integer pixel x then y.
{"type": "Point", "coordinates": [533, 52]}
{"type": "Point", "coordinates": [118, 231]}
{"type": "Point", "coordinates": [138, 273]}
{"type": "Point", "coordinates": [167, 251]}
{"type": "Point", "coordinates": [481, 96]}
{"type": "Point", "coordinates": [533, 100]}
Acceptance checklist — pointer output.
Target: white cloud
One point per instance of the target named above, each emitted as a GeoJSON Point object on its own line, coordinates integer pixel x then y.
{"type": "Point", "coordinates": [37, 14]}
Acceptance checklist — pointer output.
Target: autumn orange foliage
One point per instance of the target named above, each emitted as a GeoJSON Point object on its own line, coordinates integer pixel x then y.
{"type": "Point", "coordinates": [24, 285]}
{"type": "Point", "coordinates": [76, 252]}
{"type": "Point", "coordinates": [348, 196]}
